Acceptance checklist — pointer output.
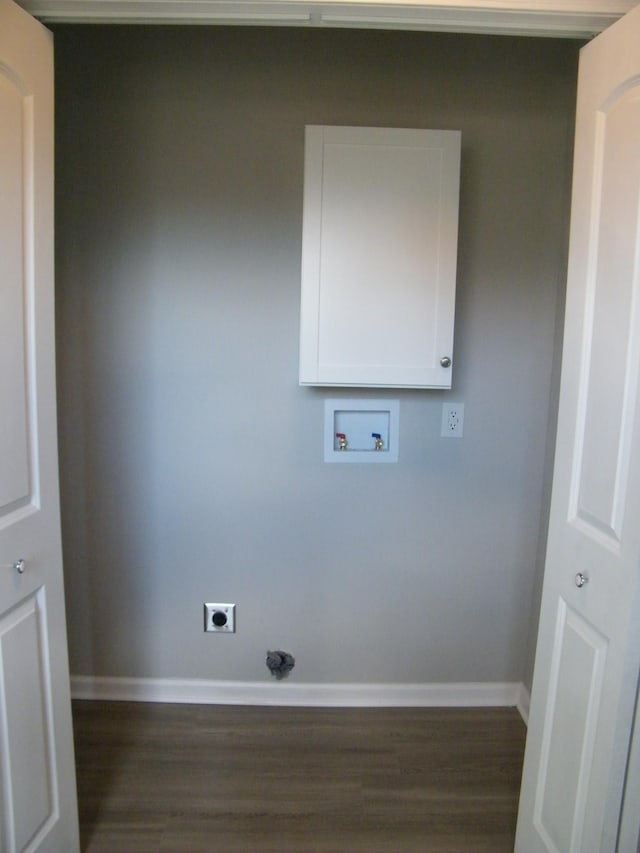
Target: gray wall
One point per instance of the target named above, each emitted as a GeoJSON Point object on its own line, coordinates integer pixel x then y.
{"type": "Point", "coordinates": [191, 460]}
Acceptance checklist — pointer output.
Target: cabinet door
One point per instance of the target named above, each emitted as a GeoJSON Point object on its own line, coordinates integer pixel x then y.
{"type": "Point", "coordinates": [379, 252]}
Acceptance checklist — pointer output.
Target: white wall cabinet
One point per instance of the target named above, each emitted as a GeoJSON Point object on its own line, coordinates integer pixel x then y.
{"type": "Point", "coordinates": [379, 248]}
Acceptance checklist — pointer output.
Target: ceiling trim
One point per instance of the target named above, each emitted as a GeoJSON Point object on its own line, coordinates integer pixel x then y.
{"type": "Point", "coordinates": [567, 18]}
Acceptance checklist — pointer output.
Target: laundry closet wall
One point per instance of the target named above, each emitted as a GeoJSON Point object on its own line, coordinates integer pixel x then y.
{"type": "Point", "coordinates": [191, 461]}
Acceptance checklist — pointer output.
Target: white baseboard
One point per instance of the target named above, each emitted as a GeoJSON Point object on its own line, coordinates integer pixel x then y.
{"type": "Point", "coordinates": [196, 691]}
{"type": "Point", "coordinates": [524, 700]}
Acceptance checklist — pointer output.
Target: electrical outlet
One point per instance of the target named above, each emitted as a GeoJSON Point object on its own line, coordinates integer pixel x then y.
{"type": "Point", "coordinates": [220, 618]}
{"type": "Point", "coordinates": [452, 420]}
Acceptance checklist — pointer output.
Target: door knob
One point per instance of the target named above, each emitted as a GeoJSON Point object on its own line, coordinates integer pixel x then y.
{"type": "Point", "coordinates": [581, 580]}
{"type": "Point", "coordinates": [445, 361]}
{"type": "Point", "coordinates": [20, 565]}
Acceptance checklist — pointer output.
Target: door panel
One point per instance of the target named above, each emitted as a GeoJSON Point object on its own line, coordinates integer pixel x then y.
{"type": "Point", "coordinates": [28, 778]}
{"type": "Point", "coordinates": [610, 378]}
{"type": "Point", "coordinates": [571, 723]}
{"type": "Point", "coordinates": [14, 146]}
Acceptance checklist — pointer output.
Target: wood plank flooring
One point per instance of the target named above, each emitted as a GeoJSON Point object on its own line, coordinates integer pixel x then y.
{"type": "Point", "coordinates": [158, 778]}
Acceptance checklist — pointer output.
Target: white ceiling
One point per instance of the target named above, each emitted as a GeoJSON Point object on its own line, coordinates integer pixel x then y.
{"type": "Point", "coordinates": [564, 18]}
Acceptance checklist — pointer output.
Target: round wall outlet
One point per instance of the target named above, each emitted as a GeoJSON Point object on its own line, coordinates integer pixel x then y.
{"type": "Point", "coordinates": [220, 618]}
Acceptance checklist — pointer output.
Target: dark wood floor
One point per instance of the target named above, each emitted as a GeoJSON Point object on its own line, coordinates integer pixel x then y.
{"type": "Point", "coordinates": [188, 778]}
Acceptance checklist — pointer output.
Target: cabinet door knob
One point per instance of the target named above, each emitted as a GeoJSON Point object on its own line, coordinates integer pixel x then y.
{"type": "Point", "coordinates": [581, 580]}
{"type": "Point", "coordinates": [445, 361]}
{"type": "Point", "coordinates": [19, 566]}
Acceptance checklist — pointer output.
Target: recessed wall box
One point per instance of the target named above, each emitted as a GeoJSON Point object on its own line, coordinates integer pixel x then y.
{"type": "Point", "coordinates": [361, 430]}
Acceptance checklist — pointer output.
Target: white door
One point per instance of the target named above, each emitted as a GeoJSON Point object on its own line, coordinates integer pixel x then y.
{"type": "Point", "coordinates": [37, 777]}
{"type": "Point", "coordinates": [588, 654]}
